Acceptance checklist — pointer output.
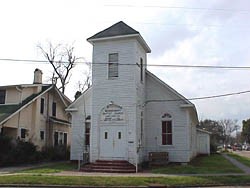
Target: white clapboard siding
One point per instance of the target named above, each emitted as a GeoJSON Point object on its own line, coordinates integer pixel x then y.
{"type": "Point", "coordinates": [79, 110]}
{"type": "Point", "coordinates": [121, 90]}
{"type": "Point", "coordinates": [180, 150]}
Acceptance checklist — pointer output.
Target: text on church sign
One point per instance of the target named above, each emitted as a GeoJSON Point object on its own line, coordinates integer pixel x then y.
{"type": "Point", "coordinates": [112, 112]}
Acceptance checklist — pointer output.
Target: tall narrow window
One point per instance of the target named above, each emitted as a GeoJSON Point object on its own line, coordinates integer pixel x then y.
{"type": "Point", "coordinates": [42, 106]}
{"type": "Point", "coordinates": [167, 133]}
{"type": "Point", "coordinates": [113, 65]}
{"type": "Point", "coordinates": [23, 133]}
{"type": "Point", "coordinates": [42, 135]}
{"type": "Point", "coordinates": [119, 135]}
{"type": "Point", "coordinates": [60, 138]}
{"type": "Point", "coordinates": [2, 96]}
{"type": "Point", "coordinates": [55, 138]}
{"type": "Point", "coordinates": [87, 133]}
{"type": "Point", "coordinates": [142, 126]}
{"type": "Point", "coordinates": [54, 109]}
{"type": "Point", "coordinates": [141, 69]}
{"type": "Point", "coordinates": [65, 139]}
{"type": "Point", "coordinates": [105, 135]}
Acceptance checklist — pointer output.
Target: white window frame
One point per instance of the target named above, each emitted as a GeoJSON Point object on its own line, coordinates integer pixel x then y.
{"type": "Point", "coordinates": [111, 70]}
{"type": "Point", "coordinates": [167, 117]}
{"type": "Point", "coordinates": [59, 137]}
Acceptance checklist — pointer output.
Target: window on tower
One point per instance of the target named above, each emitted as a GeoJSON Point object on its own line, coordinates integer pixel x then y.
{"type": "Point", "coordinates": [141, 70]}
{"type": "Point", "coordinates": [113, 65]}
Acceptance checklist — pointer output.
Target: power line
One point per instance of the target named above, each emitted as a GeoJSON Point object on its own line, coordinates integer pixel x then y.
{"type": "Point", "coordinates": [199, 98]}
{"type": "Point", "coordinates": [178, 7]}
{"type": "Point", "coordinates": [202, 66]}
{"type": "Point", "coordinates": [129, 64]}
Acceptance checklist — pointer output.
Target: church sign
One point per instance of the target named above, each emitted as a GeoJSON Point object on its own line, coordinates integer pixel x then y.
{"type": "Point", "coordinates": [112, 113]}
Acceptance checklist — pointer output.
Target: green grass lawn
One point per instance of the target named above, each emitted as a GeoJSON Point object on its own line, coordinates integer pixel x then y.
{"type": "Point", "coordinates": [213, 164]}
{"type": "Point", "coordinates": [244, 160]}
{"type": "Point", "coordinates": [125, 181]}
{"type": "Point", "coordinates": [54, 168]}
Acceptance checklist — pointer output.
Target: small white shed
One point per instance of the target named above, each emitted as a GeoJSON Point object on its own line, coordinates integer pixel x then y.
{"type": "Point", "coordinates": [203, 142]}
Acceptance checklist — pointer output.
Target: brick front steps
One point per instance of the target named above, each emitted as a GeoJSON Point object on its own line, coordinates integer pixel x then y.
{"type": "Point", "coordinates": [115, 166]}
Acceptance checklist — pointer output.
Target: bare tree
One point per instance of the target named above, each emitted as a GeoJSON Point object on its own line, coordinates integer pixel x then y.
{"type": "Point", "coordinates": [63, 60]}
{"type": "Point", "coordinates": [229, 126]}
{"type": "Point", "coordinates": [87, 80]}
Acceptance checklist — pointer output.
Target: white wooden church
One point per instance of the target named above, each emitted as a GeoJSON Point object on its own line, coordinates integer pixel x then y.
{"type": "Point", "coordinates": [129, 112]}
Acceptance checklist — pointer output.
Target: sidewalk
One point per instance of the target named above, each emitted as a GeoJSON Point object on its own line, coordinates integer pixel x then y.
{"type": "Point", "coordinates": [241, 166]}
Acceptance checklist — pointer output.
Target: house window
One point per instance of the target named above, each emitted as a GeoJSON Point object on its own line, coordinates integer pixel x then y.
{"type": "Point", "coordinates": [42, 135]}
{"type": "Point", "coordinates": [119, 135]}
{"type": "Point", "coordinates": [56, 143]}
{"type": "Point", "coordinates": [42, 106]}
{"type": "Point", "coordinates": [142, 126]}
{"type": "Point", "coordinates": [54, 109]}
{"type": "Point", "coordinates": [167, 134]}
{"type": "Point", "coordinates": [87, 133]}
{"type": "Point", "coordinates": [113, 65]}
{"type": "Point", "coordinates": [23, 133]}
{"type": "Point", "coordinates": [2, 96]}
{"type": "Point", "coordinates": [60, 138]}
{"type": "Point", "coordinates": [65, 139]}
{"type": "Point", "coordinates": [141, 70]}
{"type": "Point", "coordinates": [105, 135]}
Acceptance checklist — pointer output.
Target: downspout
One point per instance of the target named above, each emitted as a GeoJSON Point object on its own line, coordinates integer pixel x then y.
{"type": "Point", "coordinates": [83, 152]}
{"type": "Point", "coordinates": [19, 113]}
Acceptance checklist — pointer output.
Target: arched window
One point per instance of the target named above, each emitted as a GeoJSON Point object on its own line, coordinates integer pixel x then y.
{"type": "Point", "coordinates": [167, 129]}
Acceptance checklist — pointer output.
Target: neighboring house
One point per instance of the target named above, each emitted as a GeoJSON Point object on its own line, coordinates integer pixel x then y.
{"type": "Point", "coordinates": [129, 112]}
{"type": "Point", "coordinates": [35, 112]}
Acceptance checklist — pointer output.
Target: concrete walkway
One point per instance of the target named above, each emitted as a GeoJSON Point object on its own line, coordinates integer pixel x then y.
{"type": "Point", "coordinates": [238, 164]}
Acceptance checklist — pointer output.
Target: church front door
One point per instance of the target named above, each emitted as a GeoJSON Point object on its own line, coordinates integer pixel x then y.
{"type": "Point", "coordinates": [113, 143]}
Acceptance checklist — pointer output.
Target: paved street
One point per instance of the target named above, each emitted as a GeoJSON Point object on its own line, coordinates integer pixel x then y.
{"type": "Point", "coordinates": [243, 153]}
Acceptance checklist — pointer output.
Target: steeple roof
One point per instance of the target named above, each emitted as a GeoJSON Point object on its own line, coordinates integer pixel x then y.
{"type": "Point", "coordinates": [117, 29]}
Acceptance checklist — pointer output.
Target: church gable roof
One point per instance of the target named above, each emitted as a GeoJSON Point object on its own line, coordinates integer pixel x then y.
{"type": "Point", "coordinates": [178, 95]}
{"type": "Point", "coordinates": [117, 29]}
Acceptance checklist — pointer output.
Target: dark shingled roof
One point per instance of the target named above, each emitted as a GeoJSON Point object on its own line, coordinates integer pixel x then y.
{"type": "Point", "coordinates": [54, 119]}
{"type": "Point", "coordinates": [117, 29]}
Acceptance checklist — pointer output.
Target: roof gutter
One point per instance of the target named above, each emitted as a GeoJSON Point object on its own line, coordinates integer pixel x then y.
{"type": "Point", "coordinates": [140, 39]}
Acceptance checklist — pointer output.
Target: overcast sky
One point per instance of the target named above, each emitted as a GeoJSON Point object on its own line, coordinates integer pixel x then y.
{"type": "Point", "coordinates": [182, 32]}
